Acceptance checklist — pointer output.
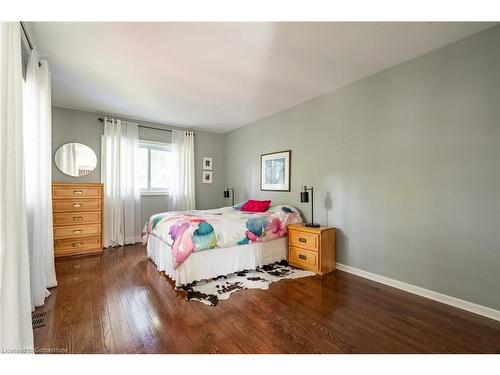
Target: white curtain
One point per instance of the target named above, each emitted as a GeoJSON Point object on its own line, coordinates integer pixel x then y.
{"type": "Point", "coordinates": [15, 298]}
{"type": "Point", "coordinates": [182, 191]}
{"type": "Point", "coordinates": [121, 197]}
{"type": "Point", "coordinates": [37, 123]}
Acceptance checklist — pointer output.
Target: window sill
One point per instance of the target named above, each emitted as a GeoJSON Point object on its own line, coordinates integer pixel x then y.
{"type": "Point", "coordinates": [154, 193]}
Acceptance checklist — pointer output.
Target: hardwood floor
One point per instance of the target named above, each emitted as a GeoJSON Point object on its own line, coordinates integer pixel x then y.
{"type": "Point", "coordinates": [119, 303]}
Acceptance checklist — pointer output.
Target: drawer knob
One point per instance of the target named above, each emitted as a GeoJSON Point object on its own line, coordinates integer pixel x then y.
{"type": "Point", "coordinates": [76, 231]}
{"type": "Point", "coordinates": [77, 244]}
{"type": "Point", "coordinates": [302, 240]}
{"type": "Point", "coordinates": [77, 192]}
{"type": "Point", "coordinates": [77, 218]}
{"type": "Point", "coordinates": [77, 205]}
{"type": "Point", "coordinates": [303, 257]}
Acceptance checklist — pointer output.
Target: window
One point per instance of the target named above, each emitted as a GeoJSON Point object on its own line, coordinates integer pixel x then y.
{"type": "Point", "coordinates": [154, 167]}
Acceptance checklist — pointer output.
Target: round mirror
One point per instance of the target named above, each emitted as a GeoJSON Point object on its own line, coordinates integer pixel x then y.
{"type": "Point", "coordinates": [75, 159]}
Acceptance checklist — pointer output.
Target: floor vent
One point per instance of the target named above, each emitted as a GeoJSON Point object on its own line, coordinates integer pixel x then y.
{"type": "Point", "coordinates": [39, 319]}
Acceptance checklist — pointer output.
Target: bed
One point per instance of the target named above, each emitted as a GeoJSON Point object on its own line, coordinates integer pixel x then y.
{"type": "Point", "coordinates": [201, 244]}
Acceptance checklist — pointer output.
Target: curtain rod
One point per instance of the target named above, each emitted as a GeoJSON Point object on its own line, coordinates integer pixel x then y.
{"type": "Point", "coordinates": [144, 126]}
{"type": "Point", "coordinates": [26, 35]}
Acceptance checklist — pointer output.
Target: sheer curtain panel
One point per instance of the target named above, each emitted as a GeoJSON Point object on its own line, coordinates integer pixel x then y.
{"type": "Point", "coordinates": [37, 125]}
{"type": "Point", "coordinates": [121, 197]}
{"type": "Point", "coordinates": [182, 193]}
{"type": "Point", "coordinates": [16, 332]}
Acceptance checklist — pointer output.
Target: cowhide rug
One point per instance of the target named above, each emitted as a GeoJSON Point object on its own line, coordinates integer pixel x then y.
{"type": "Point", "coordinates": [211, 291]}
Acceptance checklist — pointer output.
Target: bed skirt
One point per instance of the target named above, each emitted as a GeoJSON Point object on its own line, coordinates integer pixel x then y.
{"type": "Point", "coordinates": [215, 262]}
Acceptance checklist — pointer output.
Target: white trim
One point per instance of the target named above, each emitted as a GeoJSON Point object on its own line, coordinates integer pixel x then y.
{"type": "Point", "coordinates": [154, 192]}
{"type": "Point", "coordinates": [162, 145]}
{"type": "Point", "coordinates": [443, 298]}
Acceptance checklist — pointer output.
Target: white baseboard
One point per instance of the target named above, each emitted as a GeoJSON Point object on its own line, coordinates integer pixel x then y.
{"type": "Point", "coordinates": [452, 301]}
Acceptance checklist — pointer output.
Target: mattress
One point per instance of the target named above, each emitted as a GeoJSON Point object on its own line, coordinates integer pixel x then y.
{"type": "Point", "coordinates": [215, 262]}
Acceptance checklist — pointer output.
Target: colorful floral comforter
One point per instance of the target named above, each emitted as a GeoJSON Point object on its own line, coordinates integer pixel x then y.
{"type": "Point", "coordinates": [190, 231]}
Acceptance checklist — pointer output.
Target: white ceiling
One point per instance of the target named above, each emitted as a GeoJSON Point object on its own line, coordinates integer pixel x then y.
{"type": "Point", "coordinates": [219, 76]}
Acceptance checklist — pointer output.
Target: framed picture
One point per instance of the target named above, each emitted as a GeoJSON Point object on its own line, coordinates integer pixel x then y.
{"type": "Point", "coordinates": [275, 171]}
{"type": "Point", "coordinates": [207, 177]}
{"type": "Point", "coordinates": [207, 163]}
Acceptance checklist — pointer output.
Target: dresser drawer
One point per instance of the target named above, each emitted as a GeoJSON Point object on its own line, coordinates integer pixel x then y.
{"type": "Point", "coordinates": [304, 240]}
{"type": "Point", "coordinates": [61, 191]}
{"type": "Point", "coordinates": [74, 231]}
{"type": "Point", "coordinates": [77, 246]}
{"type": "Point", "coordinates": [303, 258]}
{"type": "Point", "coordinates": [72, 218]}
{"type": "Point", "coordinates": [76, 205]}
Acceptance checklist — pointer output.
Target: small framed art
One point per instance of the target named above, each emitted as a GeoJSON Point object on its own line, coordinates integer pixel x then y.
{"type": "Point", "coordinates": [207, 163]}
{"type": "Point", "coordinates": [275, 171]}
{"type": "Point", "coordinates": [207, 177]}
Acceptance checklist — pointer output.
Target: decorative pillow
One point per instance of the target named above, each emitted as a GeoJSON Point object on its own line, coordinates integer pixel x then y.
{"type": "Point", "coordinates": [255, 206]}
{"type": "Point", "coordinates": [238, 205]}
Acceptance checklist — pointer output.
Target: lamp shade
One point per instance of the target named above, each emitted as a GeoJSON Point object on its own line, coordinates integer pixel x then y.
{"type": "Point", "coordinates": [304, 196]}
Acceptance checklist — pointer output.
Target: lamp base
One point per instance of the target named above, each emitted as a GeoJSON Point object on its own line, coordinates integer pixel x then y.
{"type": "Point", "coordinates": [312, 225]}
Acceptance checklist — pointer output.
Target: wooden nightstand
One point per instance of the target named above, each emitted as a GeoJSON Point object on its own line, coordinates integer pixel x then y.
{"type": "Point", "coordinates": [311, 249]}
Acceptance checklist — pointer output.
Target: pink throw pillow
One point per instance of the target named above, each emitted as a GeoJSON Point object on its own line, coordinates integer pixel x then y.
{"type": "Point", "coordinates": [255, 206]}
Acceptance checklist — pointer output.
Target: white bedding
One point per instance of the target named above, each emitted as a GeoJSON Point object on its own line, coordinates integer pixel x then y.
{"type": "Point", "coordinates": [188, 232]}
{"type": "Point", "coordinates": [220, 261]}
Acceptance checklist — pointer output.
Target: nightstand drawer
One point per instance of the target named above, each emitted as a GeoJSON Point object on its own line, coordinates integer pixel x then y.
{"type": "Point", "coordinates": [303, 258]}
{"type": "Point", "coordinates": [304, 240]}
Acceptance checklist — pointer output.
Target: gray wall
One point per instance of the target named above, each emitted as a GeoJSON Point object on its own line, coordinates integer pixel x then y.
{"type": "Point", "coordinates": [404, 163]}
{"type": "Point", "coordinates": [78, 126]}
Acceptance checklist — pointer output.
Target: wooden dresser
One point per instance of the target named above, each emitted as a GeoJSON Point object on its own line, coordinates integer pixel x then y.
{"type": "Point", "coordinates": [311, 249]}
{"type": "Point", "coordinates": [77, 218]}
